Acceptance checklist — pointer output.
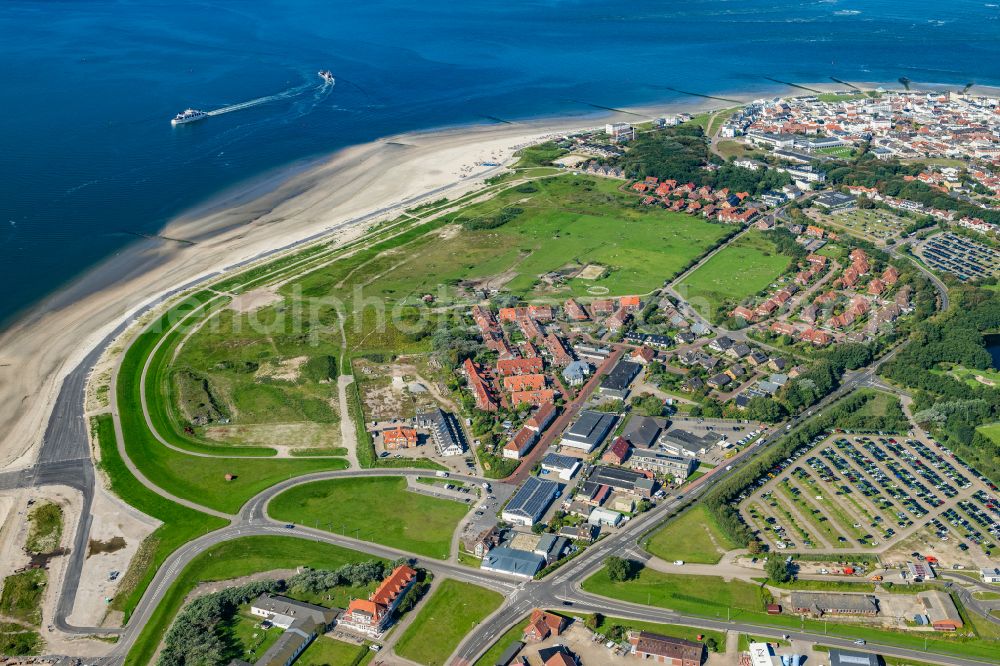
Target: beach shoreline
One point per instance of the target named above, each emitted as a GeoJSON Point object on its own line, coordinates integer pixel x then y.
{"type": "Point", "coordinates": [334, 198]}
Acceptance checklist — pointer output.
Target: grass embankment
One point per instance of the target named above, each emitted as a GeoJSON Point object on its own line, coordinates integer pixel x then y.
{"type": "Point", "coordinates": [712, 597]}
{"type": "Point", "coordinates": [450, 613]}
{"type": "Point", "coordinates": [693, 537]}
{"type": "Point", "coordinates": [46, 529]}
{"type": "Point", "coordinates": [378, 509]}
{"type": "Point", "coordinates": [992, 431]}
{"type": "Point", "coordinates": [741, 269]}
{"type": "Point", "coordinates": [232, 559]}
{"type": "Point", "coordinates": [200, 479]}
{"type": "Point", "coordinates": [180, 524]}
{"type": "Point", "coordinates": [697, 595]}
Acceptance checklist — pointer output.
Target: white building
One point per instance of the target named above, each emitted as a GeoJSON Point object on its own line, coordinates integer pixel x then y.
{"type": "Point", "coordinates": [990, 575]}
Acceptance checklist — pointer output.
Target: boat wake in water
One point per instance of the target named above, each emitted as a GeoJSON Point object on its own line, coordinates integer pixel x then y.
{"type": "Point", "coordinates": [287, 94]}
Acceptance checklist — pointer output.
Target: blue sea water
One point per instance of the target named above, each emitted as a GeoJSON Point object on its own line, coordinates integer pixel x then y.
{"type": "Point", "coordinates": [87, 87]}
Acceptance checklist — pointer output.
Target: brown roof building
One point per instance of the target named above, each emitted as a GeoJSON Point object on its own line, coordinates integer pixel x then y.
{"type": "Point", "coordinates": [664, 649]}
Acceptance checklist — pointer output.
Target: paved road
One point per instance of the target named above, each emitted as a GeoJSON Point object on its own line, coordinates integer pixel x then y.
{"type": "Point", "coordinates": [64, 457]}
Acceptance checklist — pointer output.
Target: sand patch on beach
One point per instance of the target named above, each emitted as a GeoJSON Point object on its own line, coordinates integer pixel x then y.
{"type": "Point", "coordinates": [255, 299]}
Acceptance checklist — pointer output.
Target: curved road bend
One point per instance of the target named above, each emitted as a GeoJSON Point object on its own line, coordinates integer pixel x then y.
{"type": "Point", "coordinates": [64, 456]}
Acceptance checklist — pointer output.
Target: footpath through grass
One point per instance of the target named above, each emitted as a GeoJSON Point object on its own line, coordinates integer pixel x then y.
{"type": "Point", "coordinates": [232, 559]}
{"type": "Point", "coordinates": [378, 509]}
{"type": "Point", "coordinates": [712, 597]}
{"type": "Point", "coordinates": [180, 524]}
{"type": "Point", "coordinates": [451, 612]}
{"type": "Point", "coordinates": [693, 537]}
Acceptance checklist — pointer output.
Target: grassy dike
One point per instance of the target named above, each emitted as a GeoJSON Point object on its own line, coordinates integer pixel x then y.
{"type": "Point", "coordinates": [180, 524]}
{"type": "Point", "coordinates": [232, 559]}
{"type": "Point", "coordinates": [199, 479]}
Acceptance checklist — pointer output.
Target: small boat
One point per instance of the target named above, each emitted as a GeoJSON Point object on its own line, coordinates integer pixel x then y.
{"type": "Point", "coordinates": [327, 76]}
{"type": "Point", "coordinates": [188, 116]}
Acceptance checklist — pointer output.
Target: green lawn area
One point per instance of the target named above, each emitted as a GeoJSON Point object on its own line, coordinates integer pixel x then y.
{"type": "Point", "coordinates": [883, 413]}
{"type": "Point", "coordinates": [233, 559]}
{"type": "Point", "coordinates": [741, 269]}
{"type": "Point", "coordinates": [381, 510]}
{"type": "Point", "coordinates": [837, 151]}
{"type": "Point", "coordinates": [992, 431]}
{"type": "Point", "coordinates": [692, 537]}
{"type": "Point", "coordinates": [247, 636]}
{"type": "Point", "coordinates": [45, 533]}
{"type": "Point", "coordinates": [698, 595]}
{"type": "Point", "coordinates": [22, 596]}
{"type": "Point", "coordinates": [729, 148]}
{"type": "Point", "coordinates": [326, 651]}
{"type": "Point", "coordinates": [969, 375]}
{"type": "Point", "coordinates": [451, 612]}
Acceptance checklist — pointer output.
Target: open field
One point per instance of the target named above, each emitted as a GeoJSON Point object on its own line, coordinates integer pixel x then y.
{"type": "Point", "coordinates": [698, 595]}
{"type": "Point", "coordinates": [874, 224]}
{"type": "Point", "coordinates": [452, 610]}
{"type": "Point", "coordinates": [741, 269]}
{"type": "Point", "coordinates": [992, 431]}
{"type": "Point", "coordinates": [693, 537]}
{"type": "Point", "coordinates": [556, 224]}
{"type": "Point", "coordinates": [232, 559]}
{"type": "Point", "coordinates": [383, 511]}
{"type": "Point", "coordinates": [174, 471]}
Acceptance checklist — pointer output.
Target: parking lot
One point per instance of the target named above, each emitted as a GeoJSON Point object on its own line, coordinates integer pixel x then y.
{"type": "Point", "coordinates": [862, 493]}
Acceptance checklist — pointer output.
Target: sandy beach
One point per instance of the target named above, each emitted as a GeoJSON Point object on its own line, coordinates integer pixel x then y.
{"type": "Point", "coordinates": [371, 181]}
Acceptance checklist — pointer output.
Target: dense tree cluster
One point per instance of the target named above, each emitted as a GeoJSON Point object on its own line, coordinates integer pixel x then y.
{"type": "Point", "coordinates": [950, 407]}
{"type": "Point", "coordinates": [499, 219]}
{"type": "Point", "coordinates": [199, 635]}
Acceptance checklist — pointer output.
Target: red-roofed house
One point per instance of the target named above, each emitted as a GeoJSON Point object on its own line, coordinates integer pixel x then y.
{"type": "Point", "coordinates": [541, 625]}
{"type": "Point", "coordinates": [744, 313]}
{"type": "Point", "coordinates": [371, 616]}
{"type": "Point", "coordinates": [520, 444]}
{"type": "Point", "coordinates": [643, 355]}
{"type": "Point", "coordinates": [520, 366]}
{"type": "Point", "coordinates": [532, 397]}
{"type": "Point", "coordinates": [574, 311]}
{"type": "Point", "coordinates": [399, 438]}
{"type": "Point", "coordinates": [541, 419]}
{"type": "Point", "coordinates": [524, 382]}
{"type": "Point", "coordinates": [618, 452]}
{"type": "Point", "coordinates": [629, 303]}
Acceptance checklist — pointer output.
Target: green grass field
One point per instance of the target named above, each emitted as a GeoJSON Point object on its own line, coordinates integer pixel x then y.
{"type": "Point", "coordinates": [451, 612]}
{"type": "Point", "coordinates": [22, 596]}
{"type": "Point", "coordinates": [698, 595]}
{"type": "Point", "coordinates": [326, 651]}
{"type": "Point", "coordinates": [992, 431]}
{"type": "Point", "coordinates": [566, 222]}
{"type": "Point", "coordinates": [741, 269]}
{"type": "Point", "coordinates": [692, 537]}
{"type": "Point", "coordinates": [232, 559]}
{"type": "Point", "coordinates": [673, 630]}
{"type": "Point", "coordinates": [176, 472]}
{"type": "Point", "coordinates": [381, 510]}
